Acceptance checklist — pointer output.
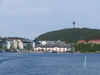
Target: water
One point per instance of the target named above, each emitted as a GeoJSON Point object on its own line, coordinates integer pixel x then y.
{"type": "Point", "coordinates": [49, 64]}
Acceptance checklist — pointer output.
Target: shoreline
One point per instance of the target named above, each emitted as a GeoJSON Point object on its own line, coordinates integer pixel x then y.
{"type": "Point", "coordinates": [61, 52]}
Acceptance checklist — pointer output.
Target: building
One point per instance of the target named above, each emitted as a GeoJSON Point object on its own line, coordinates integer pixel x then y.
{"type": "Point", "coordinates": [50, 42]}
{"type": "Point", "coordinates": [81, 41]}
{"type": "Point", "coordinates": [14, 44]}
{"type": "Point", "coordinates": [94, 41]}
{"type": "Point", "coordinates": [27, 45]}
{"type": "Point", "coordinates": [3, 44]}
{"type": "Point", "coordinates": [58, 48]}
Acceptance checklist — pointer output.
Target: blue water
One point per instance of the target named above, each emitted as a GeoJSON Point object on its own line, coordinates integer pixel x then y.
{"type": "Point", "coordinates": [49, 64]}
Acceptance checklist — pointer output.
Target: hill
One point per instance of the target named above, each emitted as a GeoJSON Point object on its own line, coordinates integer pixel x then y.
{"type": "Point", "coordinates": [71, 35]}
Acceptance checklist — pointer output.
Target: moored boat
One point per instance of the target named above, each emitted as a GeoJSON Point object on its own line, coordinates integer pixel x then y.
{"type": "Point", "coordinates": [14, 50]}
{"type": "Point", "coordinates": [7, 50]}
{"type": "Point", "coordinates": [52, 51]}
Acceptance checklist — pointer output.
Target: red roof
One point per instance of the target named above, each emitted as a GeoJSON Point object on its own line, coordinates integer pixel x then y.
{"type": "Point", "coordinates": [82, 41]}
{"type": "Point", "coordinates": [94, 40]}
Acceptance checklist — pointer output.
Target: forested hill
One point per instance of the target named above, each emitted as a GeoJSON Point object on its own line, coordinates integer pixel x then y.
{"type": "Point", "coordinates": [71, 35]}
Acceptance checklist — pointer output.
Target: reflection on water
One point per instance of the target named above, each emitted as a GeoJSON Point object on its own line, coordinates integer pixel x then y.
{"type": "Point", "coordinates": [48, 64]}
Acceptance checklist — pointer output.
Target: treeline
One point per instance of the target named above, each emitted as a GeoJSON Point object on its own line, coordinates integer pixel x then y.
{"type": "Point", "coordinates": [13, 38]}
{"type": "Point", "coordinates": [88, 47]}
{"type": "Point", "coordinates": [71, 35]}
{"type": "Point", "coordinates": [94, 36]}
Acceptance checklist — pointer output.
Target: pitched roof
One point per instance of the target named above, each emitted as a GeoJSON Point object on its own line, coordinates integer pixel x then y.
{"type": "Point", "coordinates": [68, 45]}
{"type": "Point", "coordinates": [82, 41]}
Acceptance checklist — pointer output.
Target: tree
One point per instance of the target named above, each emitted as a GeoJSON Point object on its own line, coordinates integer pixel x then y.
{"type": "Point", "coordinates": [17, 47]}
{"type": "Point", "coordinates": [0, 47]}
{"type": "Point", "coordinates": [71, 35]}
{"type": "Point", "coordinates": [4, 47]}
{"type": "Point", "coordinates": [11, 47]}
{"type": "Point", "coordinates": [25, 47]}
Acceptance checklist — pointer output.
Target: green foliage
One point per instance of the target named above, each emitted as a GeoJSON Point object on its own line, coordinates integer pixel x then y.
{"type": "Point", "coordinates": [71, 35]}
{"type": "Point", "coordinates": [4, 47]}
{"type": "Point", "coordinates": [17, 47]}
{"type": "Point", "coordinates": [0, 47]}
{"type": "Point", "coordinates": [89, 47]}
{"type": "Point", "coordinates": [25, 47]}
{"type": "Point", "coordinates": [11, 47]}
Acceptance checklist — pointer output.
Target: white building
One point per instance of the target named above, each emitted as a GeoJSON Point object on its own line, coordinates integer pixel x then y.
{"type": "Point", "coordinates": [50, 42]}
{"type": "Point", "coordinates": [14, 43]}
{"type": "Point", "coordinates": [58, 48]}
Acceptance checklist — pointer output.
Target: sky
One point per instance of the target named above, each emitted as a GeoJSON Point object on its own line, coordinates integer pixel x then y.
{"type": "Point", "coordinates": [31, 18]}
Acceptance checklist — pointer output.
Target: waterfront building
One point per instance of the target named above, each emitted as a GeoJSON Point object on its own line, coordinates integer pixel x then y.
{"type": "Point", "coordinates": [27, 45]}
{"type": "Point", "coordinates": [3, 44]}
{"type": "Point", "coordinates": [50, 42]}
{"type": "Point", "coordinates": [94, 41]}
{"type": "Point", "coordinates": [33, 44]}
{"type": "Point", "coordinates": [58, 48]}
{"type": "Point", "coordinates": [14, 43]}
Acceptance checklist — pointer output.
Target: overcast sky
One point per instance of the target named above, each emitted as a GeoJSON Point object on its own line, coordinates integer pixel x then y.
{"type": "Point", "coordinates": [31, 18]}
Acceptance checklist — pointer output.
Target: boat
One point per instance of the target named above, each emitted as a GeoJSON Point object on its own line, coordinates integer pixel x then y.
{"type": "Point", "coordinates": [14, 50]}
{"type": "Point", "coordinates": [52, 51]}
{"type": "Point", "coordinates": [7, 50]}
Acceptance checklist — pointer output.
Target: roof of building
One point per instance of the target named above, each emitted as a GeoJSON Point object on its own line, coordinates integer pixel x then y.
{"type": "Point", "coordinates": [68, 45]}
{"type": "Point", "coordinates": [82, 41]}
{"type": "Point", "coordinates": [94, 40]}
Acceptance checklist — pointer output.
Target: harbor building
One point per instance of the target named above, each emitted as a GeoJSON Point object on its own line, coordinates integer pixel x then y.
{"type": "Point", "coordinates": [14, 43]}
{"type": "Point", "coordinates": [50, 42]}
{"type": "Point", "coordinates": [94, 41]}
{"type": "Point", "coordinates": [58, 48]}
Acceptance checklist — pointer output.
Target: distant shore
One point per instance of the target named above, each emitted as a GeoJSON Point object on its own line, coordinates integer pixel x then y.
{"type": "Point", "coordinates": [32, 51]}
{"type": "Point", "coordinates": [59, 52]}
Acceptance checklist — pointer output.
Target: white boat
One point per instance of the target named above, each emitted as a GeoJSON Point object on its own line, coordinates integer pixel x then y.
{"type": "Point", "coordinates": [52, 51]}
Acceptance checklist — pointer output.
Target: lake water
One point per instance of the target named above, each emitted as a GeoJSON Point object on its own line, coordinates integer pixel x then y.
{"type": "Point", "coordinates": [49, 64]}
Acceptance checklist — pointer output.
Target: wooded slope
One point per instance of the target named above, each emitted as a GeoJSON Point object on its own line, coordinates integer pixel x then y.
{"type": "Point", "coordinates": [71, 35]}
